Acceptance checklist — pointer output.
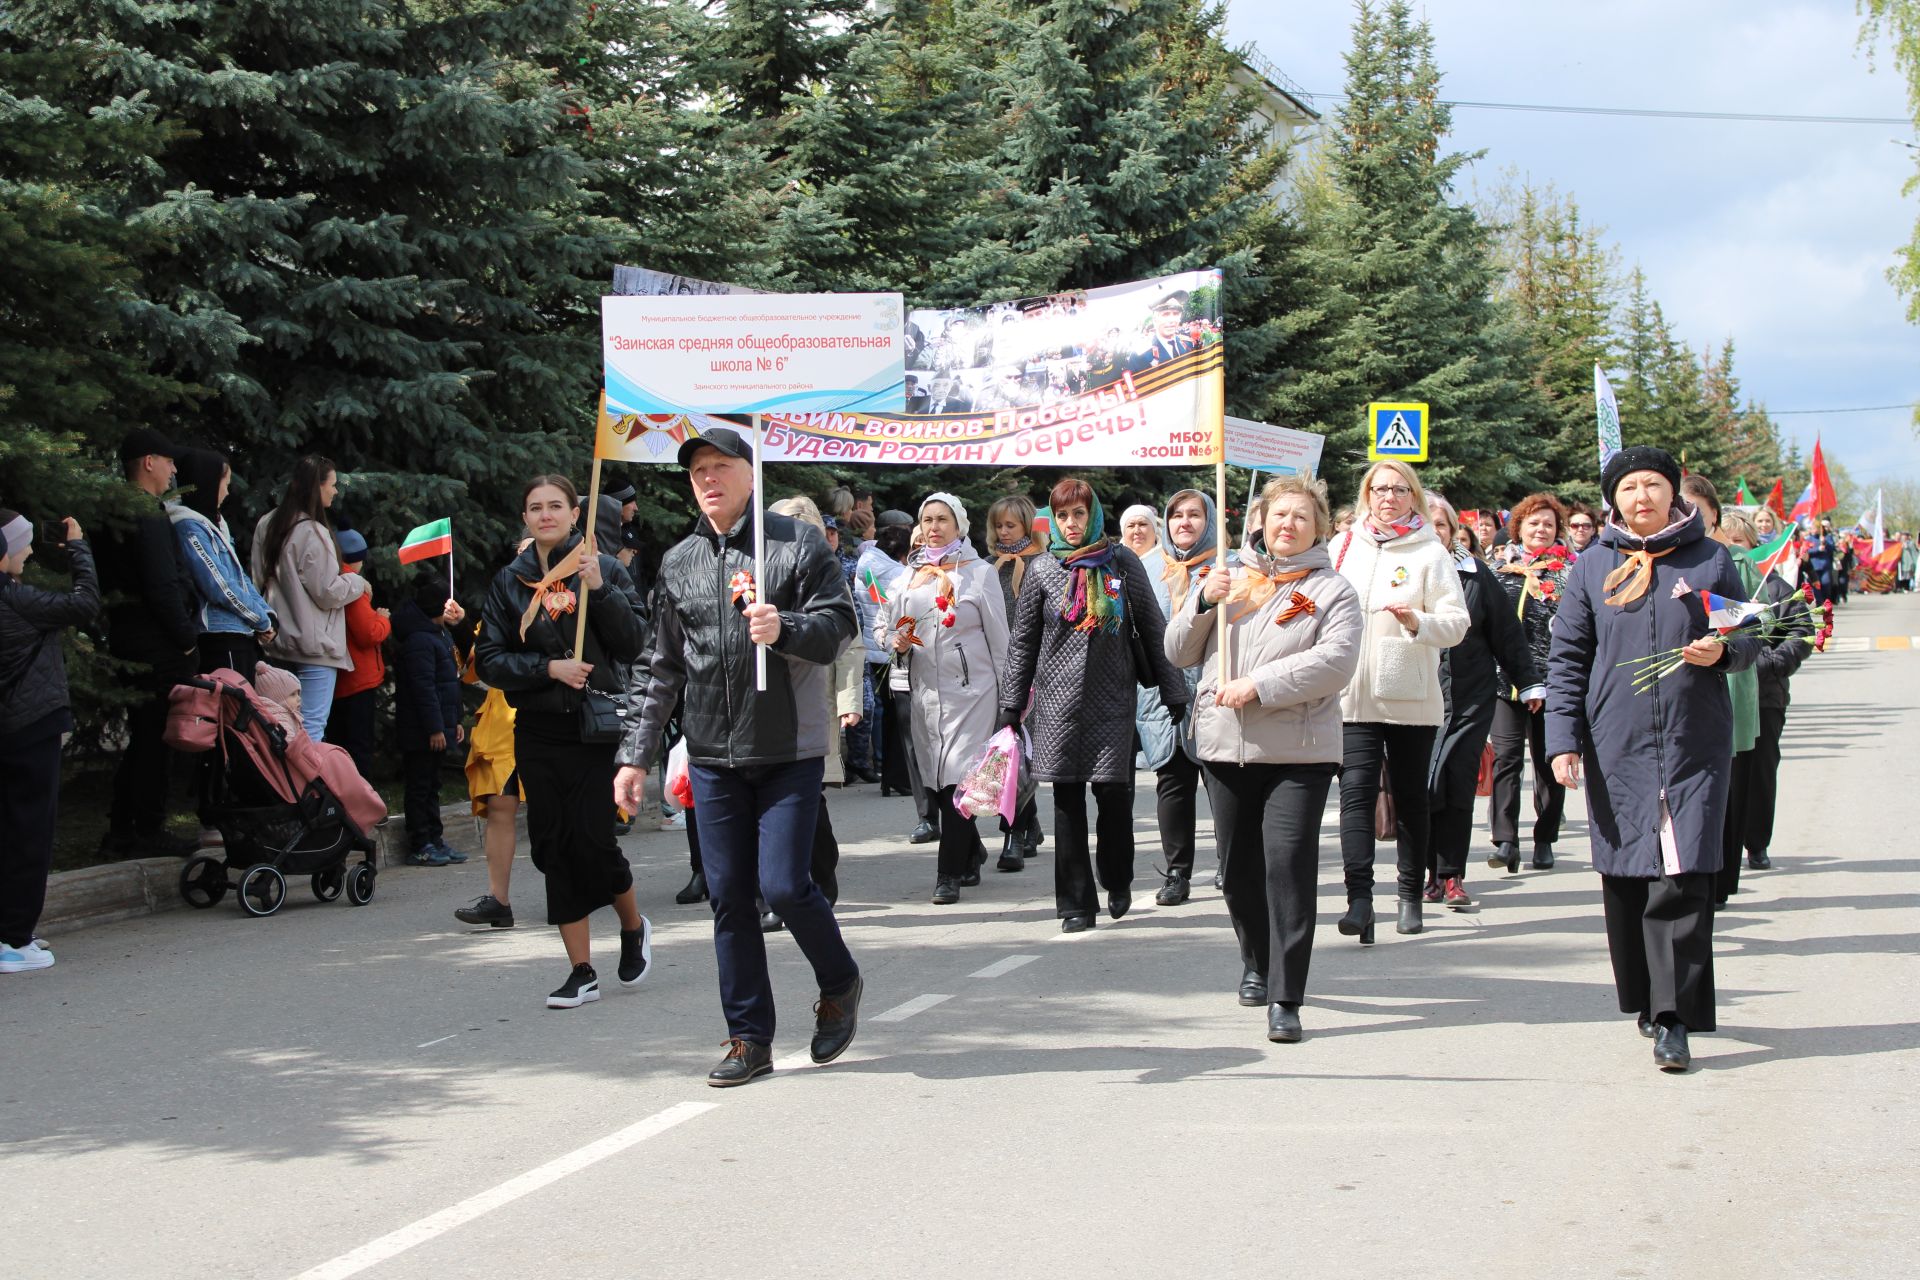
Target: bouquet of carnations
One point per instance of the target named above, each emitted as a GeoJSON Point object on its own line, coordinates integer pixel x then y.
{"type": "Point", "coordinates": [999, 780]}
{"type": "Point", "coordinates": [1723, 617]}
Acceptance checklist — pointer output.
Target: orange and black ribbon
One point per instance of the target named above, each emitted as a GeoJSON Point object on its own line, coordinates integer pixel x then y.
{"type": "Point", "coordinates": [1295, 607]}
{"type": "Point", "coordinates": [549, 593]}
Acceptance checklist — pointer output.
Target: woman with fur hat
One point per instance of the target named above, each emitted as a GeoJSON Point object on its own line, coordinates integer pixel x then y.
{"type": "Point", "coordinates": [1657, 760]}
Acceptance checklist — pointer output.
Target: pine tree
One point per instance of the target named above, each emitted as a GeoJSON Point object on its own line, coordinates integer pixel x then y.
{"type": "Point", "coordinates": [380, 194]}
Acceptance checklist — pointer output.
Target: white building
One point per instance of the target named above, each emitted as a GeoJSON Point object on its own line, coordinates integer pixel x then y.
{"type": "Point", "coordinates": [1283, 114]}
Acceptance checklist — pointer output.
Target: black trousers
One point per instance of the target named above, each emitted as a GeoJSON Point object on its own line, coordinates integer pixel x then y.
{"type": "Point", "coordinates": [1763, 783]}
{"type": "Point", "coordinates": [901, 768]}
{"type": "Point", "coordinates": [1516, 733]}
{"type": "Point", "coordinates": [1407, 750]}
{"type": "Point", "coordinates": [29, 803]}
{"type": "Point", "coordinates": [1734, 829]}
{"type": "Point", "coordinates": [351, 726]}
{"type": "Point", "coordinates": [1266, 822]}
{"type": "Point", "coordinates": [1660, 938]}
{"type": "Point", "coordinates": [140, 783]}
{"type": "Point", "coordinates": [824, 860]}
{"type": "Point", "coordinates": [1176, 787]}
{"type": "Point", "coordinates": [230, 650]}
{"type": "Point", "coordinates": [422, 772]}
{"type": "Point", "coordinates": [1073, 869]}
{"type": "Point", "coordinates": [960, 846]}
{"type": "Point", "coordinates": [1026, 821]}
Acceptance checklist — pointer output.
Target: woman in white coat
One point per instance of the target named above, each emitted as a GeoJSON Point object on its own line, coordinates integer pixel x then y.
{"type": "Point", "coordinates": [298, 566]}
{"type": "Point", "coordinates": [1410, 596]}
{"type": "Point", "coordinates": [946, 612]}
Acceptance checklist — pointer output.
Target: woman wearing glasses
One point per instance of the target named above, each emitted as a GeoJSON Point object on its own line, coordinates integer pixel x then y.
{"type": "Point", "coordinates": [1582, 524]}
{"type": "Point", "coordinates": [1410, 596]}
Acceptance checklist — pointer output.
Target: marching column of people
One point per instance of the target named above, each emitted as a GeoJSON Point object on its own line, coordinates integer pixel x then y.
{"type": "Point", "coordinates": [1400, 655]}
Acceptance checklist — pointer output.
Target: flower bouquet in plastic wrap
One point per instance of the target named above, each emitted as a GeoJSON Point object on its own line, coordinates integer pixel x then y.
{"type": "Point", "coordinates": [1000, 779]}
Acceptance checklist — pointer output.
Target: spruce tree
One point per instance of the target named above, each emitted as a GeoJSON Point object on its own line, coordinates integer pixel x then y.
{"type": "Point", "coordinates": [1407, 276]}
{"type": "Point", "coordinates": [379, 192]}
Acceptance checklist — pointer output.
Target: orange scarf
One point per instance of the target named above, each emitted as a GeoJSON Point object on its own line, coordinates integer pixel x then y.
{"type": "Point", "coordinates": [1531, 571]}
{"type": "Point", "coordinates": [1178, 575]}
{"type": "Point", "coordinates": [1256, 588]}
{"type": "Point", "coordinates": [1019, 561]}
{"type": "Point", "coordinates": [1637, 566]}
{"type": "Point", "coordinates": [549, 592]}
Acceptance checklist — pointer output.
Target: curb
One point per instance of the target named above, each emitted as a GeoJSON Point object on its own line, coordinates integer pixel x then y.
{"type": "Point", "coordinates": [145, 886]}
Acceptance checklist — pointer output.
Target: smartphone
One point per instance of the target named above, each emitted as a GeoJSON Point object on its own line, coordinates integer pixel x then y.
{"type": "Point", "coordinates": [53, 533]}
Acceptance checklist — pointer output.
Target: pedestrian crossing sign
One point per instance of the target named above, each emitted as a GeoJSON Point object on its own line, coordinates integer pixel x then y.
{"type": "Point", "coordinates": [1397, 431]}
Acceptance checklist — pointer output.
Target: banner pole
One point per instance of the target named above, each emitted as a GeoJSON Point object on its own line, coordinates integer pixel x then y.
{"type": "Point", "coordinates": [1220, 563]}
{"type": "Point", "coordinates": [580, 607]}
{"type": "Point", "coordinates": [758, 508]}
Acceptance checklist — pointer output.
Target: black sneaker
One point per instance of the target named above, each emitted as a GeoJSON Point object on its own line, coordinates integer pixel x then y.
{"type": "Point", "coordinates": [745, 1061]}
{"type": "Point", "coordinates": [486, 909]}
{"type": "Point", "coordinates": [636, 953]}
{"type": "Point", "coordinates": [581, 987]}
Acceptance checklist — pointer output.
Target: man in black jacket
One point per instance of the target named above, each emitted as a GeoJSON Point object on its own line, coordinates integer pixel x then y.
{"type": "Point", "coordinates": [150, 623]}
{"type": "Point", "coordinates": [756, 759]}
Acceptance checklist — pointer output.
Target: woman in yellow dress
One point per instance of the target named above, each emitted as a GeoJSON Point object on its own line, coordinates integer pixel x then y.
{"type": "Point", "coordinates": [493, 784]}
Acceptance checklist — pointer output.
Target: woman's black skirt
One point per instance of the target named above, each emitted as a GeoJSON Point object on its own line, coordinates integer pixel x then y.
{"type": "Point", "coordinates": [570, 815]}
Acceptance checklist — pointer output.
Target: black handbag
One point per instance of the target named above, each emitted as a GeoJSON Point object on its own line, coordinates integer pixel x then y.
{"type": "Point", "coordinates": [603, 716]}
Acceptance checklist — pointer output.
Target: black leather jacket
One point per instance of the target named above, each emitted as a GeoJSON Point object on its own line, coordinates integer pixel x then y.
{"type": "Point", "coordinates": [700, 648]}
{"type": "Point", "coordinates": [616, 634]}
{"type": "Point", "coordinates": [30, 691]}
{"type": "Point", "coordinates": [1787, 647]}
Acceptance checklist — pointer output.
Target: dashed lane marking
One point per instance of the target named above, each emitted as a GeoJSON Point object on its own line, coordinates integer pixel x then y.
{"type": "Point", "coordinates": [442, 1040]}
{"type": "Point", "coordinates": [919, 1004]}
{"type": "Point", "coordinates": [999, 967]}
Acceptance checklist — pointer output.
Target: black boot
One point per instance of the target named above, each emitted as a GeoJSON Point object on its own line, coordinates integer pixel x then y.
{"type": "Point", "coordinates": [696, 890]}
{"type": "Point", "coordinates": [1010, 858]}
{"type": "Point", "coordinates": [1542, 855]}
{"type": "Point", "coordinates": [1409, 921]}
{"type": "Point", "coordinates": [1283, 1023]}
{"type": "Point", "coordinates": [1505, 854]}
{"type": "Point", "coordinates": [1358, 922]}
{"type": "Point", "coordinates": [945, 891]}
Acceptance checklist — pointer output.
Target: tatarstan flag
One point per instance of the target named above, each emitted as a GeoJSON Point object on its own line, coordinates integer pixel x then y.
{"type": "Point", "coordinates": [1770, 556]}
{"type": "Point", "coordinates": [875, 592]}
{"type": "Point", "coordinates": [1744, 496]}
{"type": "Point", "coordinates": [426, 542]}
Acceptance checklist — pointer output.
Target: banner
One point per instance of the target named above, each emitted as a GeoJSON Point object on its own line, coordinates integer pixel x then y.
{"type": "Point", "coordinates": [1609, 411]}
{"type": "Point", "coordinates": [1265, 447]}
{"type": "Point", "coordinates": [647, 283]}
{"type": "Point", "coordinates": [1128, 375]}
{"type": "Point", "coordinates": [751, 353]}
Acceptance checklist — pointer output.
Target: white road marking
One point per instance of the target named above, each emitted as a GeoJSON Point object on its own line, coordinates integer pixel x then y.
{"type": "Point", "coordinates": [999, 967]}
{"type": "Point", "coordinates": [395, 1243]}
{"type": "Point", "coordinates": [794, 1061]}
{"type": "Point", "coordinates": [901, 1012]}
{"type": "Point", "coordinates": [442, 1040]}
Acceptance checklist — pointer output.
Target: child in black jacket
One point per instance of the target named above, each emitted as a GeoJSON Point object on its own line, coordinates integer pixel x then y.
{"type": "Point", "coordinates": [426, 695]}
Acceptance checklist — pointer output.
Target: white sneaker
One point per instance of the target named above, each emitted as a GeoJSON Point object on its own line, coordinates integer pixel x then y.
{"type": "Point", "coordinates": [23, 959]}
{"type": "Point", "coordinates": [675, 821]}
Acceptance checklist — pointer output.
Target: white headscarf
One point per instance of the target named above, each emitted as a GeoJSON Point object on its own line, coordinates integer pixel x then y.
{"type": "Point", "coordinates": [953, 504]}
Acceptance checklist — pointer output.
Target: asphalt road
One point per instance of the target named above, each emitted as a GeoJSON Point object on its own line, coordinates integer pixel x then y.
{"type": "Point", "coordinates": [339, 1091]}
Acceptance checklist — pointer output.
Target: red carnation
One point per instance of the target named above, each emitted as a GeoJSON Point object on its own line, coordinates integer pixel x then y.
{"type": "Point", "coordinates": [947, 621]}
{"type": "Point", "coordinates": [939, 602]}
{"type": "Point", "coordinates": [1806, 589]}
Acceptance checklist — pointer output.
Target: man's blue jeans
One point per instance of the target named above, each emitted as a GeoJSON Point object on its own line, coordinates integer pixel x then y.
{"type": "Point", "coordinates": [756, 840]}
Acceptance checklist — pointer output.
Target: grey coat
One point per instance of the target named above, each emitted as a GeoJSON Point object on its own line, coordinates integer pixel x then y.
{"type": "Point", "coordinates": [27, 614]}
{"type": "Point", "coordinates": [955, 672]}
{"type": "Point", "coordinates": [1671, 745]}
{"type": "Point", "coordinates": [1083, 682]}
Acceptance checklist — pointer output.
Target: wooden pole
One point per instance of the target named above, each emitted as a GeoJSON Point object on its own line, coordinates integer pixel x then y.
{"type": "Point", "coordinates": [757, 509]}
{"type": "Point", "coordinates": [589, 548]}
{"type": "Point", "coordinates": [1220, 561]}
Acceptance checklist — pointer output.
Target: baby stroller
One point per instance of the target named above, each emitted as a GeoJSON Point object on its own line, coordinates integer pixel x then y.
{"type": "Point", "coordinates": [284, 804]}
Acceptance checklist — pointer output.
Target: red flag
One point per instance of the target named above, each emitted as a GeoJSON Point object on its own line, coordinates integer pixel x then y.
{"type": "Point", "coordinates": [1778, 498]}
{"type": "Point", "coordinates": [1824, 498]}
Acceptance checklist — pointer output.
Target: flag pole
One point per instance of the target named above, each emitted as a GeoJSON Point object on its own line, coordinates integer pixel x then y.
{"type": "Point", "coordinates": [449, 559]}
{"type": "Point", "coordinates": [1220, 562]}
{"type": "Point", "coordinates": [588, 548]}
{"type": "Point", "coordinates": [757, 508]}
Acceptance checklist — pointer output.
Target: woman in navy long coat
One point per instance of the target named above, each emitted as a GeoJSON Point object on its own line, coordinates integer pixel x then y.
{"type": "Point", "coordinates": [1658, 762]}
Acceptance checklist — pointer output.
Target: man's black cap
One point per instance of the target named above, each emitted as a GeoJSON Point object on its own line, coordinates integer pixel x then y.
{"type": "Point", "coordinates": [142, 441]}
{"type": "Point", "coordinates": [620, 489]}
{"type": "Point", "coordinates": [725, 439]}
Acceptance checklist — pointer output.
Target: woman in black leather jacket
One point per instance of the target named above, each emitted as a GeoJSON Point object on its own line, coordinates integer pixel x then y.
{"type": "Point", "coordinates": [33, 716]}
{"type": "Point", "coordinates": [525, 649]}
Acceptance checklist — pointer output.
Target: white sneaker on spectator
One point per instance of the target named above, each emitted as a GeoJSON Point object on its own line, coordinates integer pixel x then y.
{"type": "Point", "coordinates": [675, 821]}
{"type": "Point", "coordinates": [23, 959]}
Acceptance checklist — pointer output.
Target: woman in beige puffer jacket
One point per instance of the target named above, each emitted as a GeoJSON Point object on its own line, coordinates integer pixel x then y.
{"type": "Point", "coordinates": [1270, 737]}
{"type": "Point", "coordinates": [1415, 611]}
{"type": "Point", "coordinates": [297, 566]}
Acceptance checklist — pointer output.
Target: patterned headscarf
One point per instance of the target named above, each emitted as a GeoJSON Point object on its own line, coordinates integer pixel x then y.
{"type": "Point", "coordinates": [1094, 599]}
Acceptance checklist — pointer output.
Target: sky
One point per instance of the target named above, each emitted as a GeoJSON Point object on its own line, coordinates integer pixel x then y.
{"type": "Point", "coordinates": [1776, 235]}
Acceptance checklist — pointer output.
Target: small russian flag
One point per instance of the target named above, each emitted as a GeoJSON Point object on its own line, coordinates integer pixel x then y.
{"type": "Point", "coordinates": [1724, 615]}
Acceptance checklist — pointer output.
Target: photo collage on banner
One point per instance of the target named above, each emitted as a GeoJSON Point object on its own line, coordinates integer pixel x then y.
{"type": "Point", "coordinates": [1126, 375]}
